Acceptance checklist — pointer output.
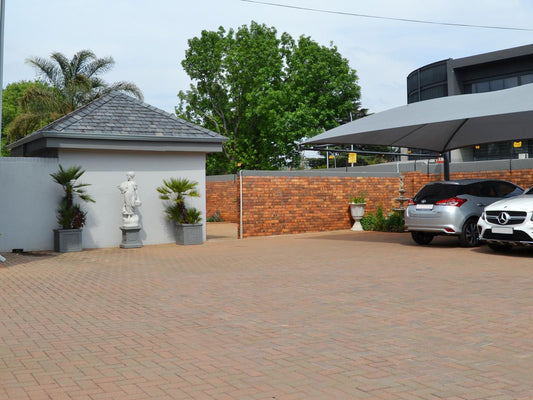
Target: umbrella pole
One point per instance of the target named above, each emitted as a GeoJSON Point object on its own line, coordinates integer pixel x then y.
{"type": "Point", "coordinates": [446, 157]}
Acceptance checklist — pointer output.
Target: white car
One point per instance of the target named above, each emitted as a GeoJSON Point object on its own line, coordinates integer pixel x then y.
{"type": "Point", "coordinates": [507, 223]}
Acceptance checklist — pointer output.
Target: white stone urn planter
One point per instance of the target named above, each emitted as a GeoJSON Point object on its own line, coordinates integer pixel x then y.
{"type": "Point", "coordinates": [357, 210]}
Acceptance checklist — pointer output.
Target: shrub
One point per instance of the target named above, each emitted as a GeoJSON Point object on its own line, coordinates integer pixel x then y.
{"type": "Point", "coordinates": [69, 214]}
{"type": "Point", "coordinates": [377, 221]}
{"type": "Point", "coordinates": [175, 191]}
{"type": "Point", "coordinates": [216, 217]}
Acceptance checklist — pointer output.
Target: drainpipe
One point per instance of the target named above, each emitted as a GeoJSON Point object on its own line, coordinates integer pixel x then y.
{"type": "Point", "coordinates": [240, 205]}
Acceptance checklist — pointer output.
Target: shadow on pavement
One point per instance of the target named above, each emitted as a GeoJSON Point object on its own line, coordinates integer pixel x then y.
{"type": "Point", "coordinates": [25, 257]}
{"type": "Point", "coordinates": [517, 252]}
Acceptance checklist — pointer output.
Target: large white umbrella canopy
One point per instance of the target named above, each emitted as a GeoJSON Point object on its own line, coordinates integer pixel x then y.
{"type": "Point", "coordinates": [444, 123]}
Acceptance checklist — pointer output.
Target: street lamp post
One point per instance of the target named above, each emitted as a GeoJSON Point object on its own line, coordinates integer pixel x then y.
{"type": "Point", "coordinates": [2, 15]}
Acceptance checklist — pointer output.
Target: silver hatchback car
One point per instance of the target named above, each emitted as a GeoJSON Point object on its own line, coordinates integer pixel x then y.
{"type": "Point", "coordinates": [453, 208]}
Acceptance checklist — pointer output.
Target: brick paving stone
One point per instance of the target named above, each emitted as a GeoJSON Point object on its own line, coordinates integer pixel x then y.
{"type": "Point", "coordinates": [337, 315]}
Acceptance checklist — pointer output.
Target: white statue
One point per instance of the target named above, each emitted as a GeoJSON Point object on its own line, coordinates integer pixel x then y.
{"type": "Point", "coordinates": [130, 199]}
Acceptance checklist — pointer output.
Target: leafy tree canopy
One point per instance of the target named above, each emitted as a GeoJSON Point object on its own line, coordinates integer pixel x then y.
{"type": "Point", "coordinates": [66, 85]}
{"type": "Point", "coordinates": [10, 105]}
{"type": "Point", "coordinates": [265, 93]}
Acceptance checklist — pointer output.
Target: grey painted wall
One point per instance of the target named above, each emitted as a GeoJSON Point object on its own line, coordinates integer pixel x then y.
{"type": "Point", "coordinates": [29, 197]}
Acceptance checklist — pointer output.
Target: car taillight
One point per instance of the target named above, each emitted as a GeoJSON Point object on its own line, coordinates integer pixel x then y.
{"type": "Point", "coordinates": [411, 202]}
{"type": "Point", "coordinates": [453, 201]}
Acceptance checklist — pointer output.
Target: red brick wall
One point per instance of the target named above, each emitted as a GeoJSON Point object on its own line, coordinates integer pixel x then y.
{"type": "Point", "coordinates": [279, 205]}
{"type": "Point", "coordinates": [223, 196]}
{"type": "Point", "coordinates": [276, 205]}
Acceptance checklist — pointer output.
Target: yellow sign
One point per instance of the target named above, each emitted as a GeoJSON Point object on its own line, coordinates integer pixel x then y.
{"type": "Point", "coordinates": [352, 158]}
{"type": "Point", "coordinates": [331, 157]}
{"type": "Point", "coordinates": [517, 144]}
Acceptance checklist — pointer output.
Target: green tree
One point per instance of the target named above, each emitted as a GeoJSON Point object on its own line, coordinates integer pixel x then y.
{"type": "Point", "coordinates": [11, 96]}
{"type": "Point", "coordinates": [68, 84]}
{"type": "Point", "coordinates": [265, 93]}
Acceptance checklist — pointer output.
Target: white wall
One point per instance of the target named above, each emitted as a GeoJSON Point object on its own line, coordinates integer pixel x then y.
{"type": "Point", "coordinates": [29, 198]}
{"type": "Point", "coordinates": [28, 202]}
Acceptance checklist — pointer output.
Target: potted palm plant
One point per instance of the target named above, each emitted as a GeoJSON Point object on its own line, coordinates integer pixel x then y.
{"type": "Point", "coordinates": [187, 220]}
{"type": "Point", "coordinates": [357, 210]}
{"type": "Point", "coordinates": [70, 216]}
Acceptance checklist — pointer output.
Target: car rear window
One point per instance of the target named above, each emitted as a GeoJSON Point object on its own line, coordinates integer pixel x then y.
{"type": "Point", "coordinates": [435, 192]}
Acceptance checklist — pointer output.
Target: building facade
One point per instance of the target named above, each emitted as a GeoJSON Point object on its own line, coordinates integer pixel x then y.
{"type": "Point", "coordinates": [476, 74]}
{"type": "Point", "coordinates": [108, 137]}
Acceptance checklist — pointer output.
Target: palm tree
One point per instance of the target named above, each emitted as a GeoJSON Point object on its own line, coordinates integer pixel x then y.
{"type": "Point", "coordinates": [69, 84]}
{"type": "Point", "coordinates": [176, 190]}
{"type": "Point", "coordinates": [69, 214]}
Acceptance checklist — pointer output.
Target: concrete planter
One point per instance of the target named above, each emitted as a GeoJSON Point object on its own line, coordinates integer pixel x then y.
{"type": "Point", "coordinates": [357, 210]}
{"type": "Point", "coordinates": [67, 240]}
{"type": "Point", "coordinates": [189, 234]}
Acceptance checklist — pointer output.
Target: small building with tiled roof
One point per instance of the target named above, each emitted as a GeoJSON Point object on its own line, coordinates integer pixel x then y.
{"type": "Point", "coordinates": [118, 122]}
{"type": "Point", "coordinates": [108, 137]}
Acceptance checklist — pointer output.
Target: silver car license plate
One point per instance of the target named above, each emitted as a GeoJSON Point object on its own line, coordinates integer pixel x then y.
{"type": "Point", "coordinates": [424, 206]}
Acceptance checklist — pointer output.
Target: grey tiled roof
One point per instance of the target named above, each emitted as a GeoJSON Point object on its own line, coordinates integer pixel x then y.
{"type": "Point", "coordinates": [119, 114]}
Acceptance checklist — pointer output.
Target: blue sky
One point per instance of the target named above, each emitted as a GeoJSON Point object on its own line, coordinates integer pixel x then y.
{"type": "Point", "coordinates": [148, 39]}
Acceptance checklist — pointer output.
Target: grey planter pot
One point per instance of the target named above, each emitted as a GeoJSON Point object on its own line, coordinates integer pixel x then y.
{"type": "Point", "coordinates": [67, 240]}
{"type": "Point", "coordinates": [189, 234]}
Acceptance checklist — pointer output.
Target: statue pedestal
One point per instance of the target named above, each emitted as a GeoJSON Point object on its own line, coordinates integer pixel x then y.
{"type": "Point", "coordinates": [130, 237]}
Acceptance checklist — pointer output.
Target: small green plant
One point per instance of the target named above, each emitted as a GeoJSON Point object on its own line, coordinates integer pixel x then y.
{"type": "Point", "coordinates": [216, 217]}
{"type": "Point", "coordinates": [377, 221]}
{"type": "Point", "coordinates": [193, 216]}
{"type": "Point", "coordinates": [175, 191]}
{"type": "Point", "coordinates": [69, 214]}
{"type": "Point", "coordinates": [395, 222]}
{"type": "Point", "coordinates": [361, 198]}
{"type": "Point", "coordinates": [368, 222]}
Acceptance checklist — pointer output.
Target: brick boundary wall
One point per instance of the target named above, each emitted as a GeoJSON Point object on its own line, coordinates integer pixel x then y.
{"type": "Point", "coordinates": [281, 205]}
{"type": "Point", "coordinates": [277, 204]}
{"type": "Point", "coordinates": [222, 196]}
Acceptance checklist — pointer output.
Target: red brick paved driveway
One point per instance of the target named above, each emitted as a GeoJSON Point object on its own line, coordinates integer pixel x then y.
{"type": "Point", "coordinates": [339, 315]}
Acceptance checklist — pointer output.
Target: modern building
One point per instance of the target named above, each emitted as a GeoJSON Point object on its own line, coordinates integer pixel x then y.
{"type": "Point", "coordinates": [480, 73]}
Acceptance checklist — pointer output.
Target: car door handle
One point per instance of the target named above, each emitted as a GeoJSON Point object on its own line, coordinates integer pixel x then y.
{"type": "Point", "coordinates": [481, 205]}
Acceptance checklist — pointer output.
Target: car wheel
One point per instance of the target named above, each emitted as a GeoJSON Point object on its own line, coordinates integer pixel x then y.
{"type": "Point", "coordinates": [500, 248]}
{"type": "Point", "coordinates": [422, 238]}
{"type": "Point", "coordinates": [469, 236]}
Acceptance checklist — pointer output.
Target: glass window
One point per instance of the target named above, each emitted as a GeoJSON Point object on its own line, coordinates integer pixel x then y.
{"type": "Point", "coordinates": [496, 84]}
{"type": "Point", "coordinates": [481, 87]}
{"type": "Point", "coordinates": [433, 92]}
{"type": "Point", "coordinates": [510, 82]}
{"type": "Point", "coordinates": [506, 189]}
{"type": "Point", "coordinates": [412, 82]}
{"type": "Point", "coordinates": [433, 192]}
{"type": "Point", "coordinates": [481, 189]}
{"type": "Point", "coordinates": [433, 74]}
{"type": "Point", "coordinates": [413, 97]}
{"type": "Point", "coordinates": [525, 79]}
